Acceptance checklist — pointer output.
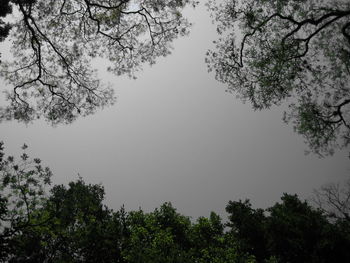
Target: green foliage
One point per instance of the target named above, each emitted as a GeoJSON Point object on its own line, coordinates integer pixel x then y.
{"type": "Point", "coordinates": [270, 52]}
{"type": "Point", "coordinates": [297, 232]}
{"type": "Point", "coordinates": [78, 228]}
{"type": "Point", "coordinates": [22, 186]}
{"type": "Point", "coordinates": [247, 225]}
{"type": "Point", "coordinates": [212, 244]}
{"type": "Point", "coordinates": [71, 224]}
{"type": "Point", "coordinates": [160, 236]}
{"type": "Point", "coordinates": [290, 231]}
{"type": "Point", "coordinates": [22, 195]}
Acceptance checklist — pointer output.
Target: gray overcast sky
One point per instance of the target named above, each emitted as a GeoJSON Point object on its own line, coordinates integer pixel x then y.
{"type": "Point", "coordinates": [175, 135]}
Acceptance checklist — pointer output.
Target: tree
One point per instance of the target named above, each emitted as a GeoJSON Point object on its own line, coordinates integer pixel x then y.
{"type": "Point", "coordinates": [289, 231]}
{"type": "Point", "coordinates": [71, 224]}
{"type": "Point", "coordinates": [334, 200]}
{"type": "Point", "coordinates": [5, 9]}
{"type": "Point", "coordinates": [77, 228]}
{"type": "Point", "coordinates": [159, 236]}
{"type": "Point", "coordinates": [273, 51]}
{"type": "Point", "coordinates": [66, 224]}
{"type": "Point", "coordinates": [247, 225]}
{"type": "Point", "coordinates": [210, 243]}
{"type": "Point", "coordinates": [298, 233]}
{"type": "Point", "coordinates": [53, 43]}
{"type": "Point", "coordinates": [22, 194]}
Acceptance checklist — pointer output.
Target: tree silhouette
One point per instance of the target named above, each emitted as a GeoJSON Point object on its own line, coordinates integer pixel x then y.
{"type": "Point", "coordinates": [334, 200]}
{"type": "Point", "coordinates": [273, 51]}
{"type": "Point", "coordinates": [72, 224]}
{"type": "Point", "coordinates": [5, 9]}
{"type": "Point", "coordinates": [54, 41]}
{"type": "Point", "coordinates": [22, 194]}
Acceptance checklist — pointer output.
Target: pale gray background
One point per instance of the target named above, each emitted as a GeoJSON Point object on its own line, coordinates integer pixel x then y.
{"type": "Point", "coordinates": [175, 135]}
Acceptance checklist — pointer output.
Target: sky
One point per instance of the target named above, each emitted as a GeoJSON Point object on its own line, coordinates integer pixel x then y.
{"type": "Point", "coordinates": [175, 135]}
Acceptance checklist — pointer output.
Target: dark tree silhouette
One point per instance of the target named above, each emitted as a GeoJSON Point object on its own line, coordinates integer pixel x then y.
{"type": "Point", "coordinates": [334, 200]}
{"type": "Point", "coordinates": [289, 231]}
{"type": "Point", "coordinates": [54, 41]}
{"type": "Point", "coordinates": [5, 9]}
{"type": "Point", "coordinates": [248, 226]}
{"type": "Point", "coordinates": [271, 51]}
{"type": "Point", "coordinates": [22, 194]}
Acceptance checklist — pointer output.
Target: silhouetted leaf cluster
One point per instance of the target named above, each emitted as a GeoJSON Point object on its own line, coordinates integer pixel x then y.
{"type": "Point", "coordinates": [54, 41]}
{"type": "Point", "coordinates": [272, 51]}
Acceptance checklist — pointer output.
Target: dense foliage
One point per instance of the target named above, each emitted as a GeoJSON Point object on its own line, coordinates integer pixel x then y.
{"type": "Point", "coordinates": [71, 224]}
{"type": "Point", "coordinates": [296, 50]}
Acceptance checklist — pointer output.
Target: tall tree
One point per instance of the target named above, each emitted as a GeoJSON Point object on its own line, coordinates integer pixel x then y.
{"type": "Point", "coordinates": [298, 233]}
{"type": "Point", "coordinates": [210, 243]}
{"type": "Point", "coordinates": [159, 236]}
{"type": "Point", "coordinates": [273, 51]}
{"type": "Point", "coordinates": [22, 195]}
{"type": "Point", "coordinates": [54, 41]}
{"type": "Point", "coordinates": [247, 225]}
{"type": "Point", "coordinates": [289, 231]}
{"type": "Point", "coordinates": [78, 228]}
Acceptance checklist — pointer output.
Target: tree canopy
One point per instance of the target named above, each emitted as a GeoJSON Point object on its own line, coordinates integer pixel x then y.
{"type": "Point", "coordinates": [40, 223]}
{"type": "Point", "coordinates": [289, 231]}
{"type": "Point", "coordinates": [53, 43]}
{"type": "Point", "coordinates": [273, 51]}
